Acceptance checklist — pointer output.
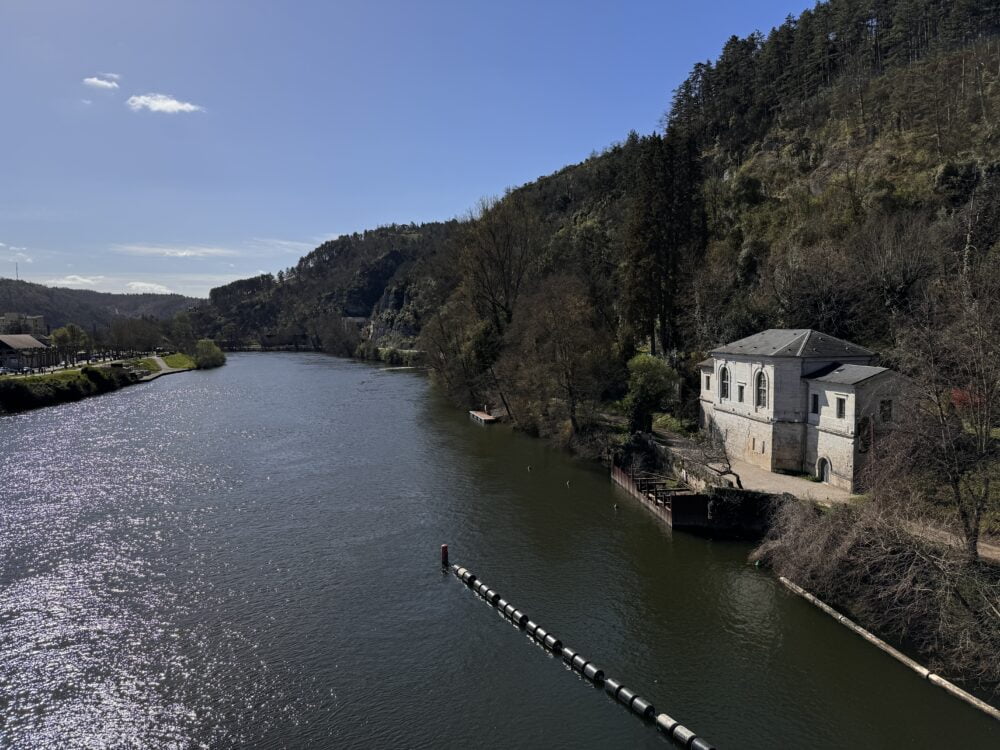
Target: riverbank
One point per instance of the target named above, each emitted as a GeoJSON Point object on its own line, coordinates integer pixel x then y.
{"type": "Point", "coordinates": [213, 524]}
{"type": "Point", "coordinates": [870, 562]}
{"type": "Point", "coordinates": [35, 392]}
{"type": "Point", "coordinates": [169, 365]}
{"type": "Point", "coordinates": [952, 625]}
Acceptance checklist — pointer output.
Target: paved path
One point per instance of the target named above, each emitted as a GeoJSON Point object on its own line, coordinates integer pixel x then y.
{"type": "Point", "coordinates": [761, 480]}
{"type": "Point", "coordinates": [754, 478]}
{"type": "Point", "coordinates": [164, 369]}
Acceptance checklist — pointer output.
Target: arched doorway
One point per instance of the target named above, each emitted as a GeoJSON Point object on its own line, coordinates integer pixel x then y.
{"type": "Point", "coordinates": [823, 470]}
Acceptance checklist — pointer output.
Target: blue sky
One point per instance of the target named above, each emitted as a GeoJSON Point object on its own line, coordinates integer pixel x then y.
{"type": "Point", "coordinates": [154, 145]}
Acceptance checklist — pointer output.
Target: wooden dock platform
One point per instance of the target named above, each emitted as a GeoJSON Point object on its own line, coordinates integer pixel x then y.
{"type": "Point", "coordinates": [482, 417]}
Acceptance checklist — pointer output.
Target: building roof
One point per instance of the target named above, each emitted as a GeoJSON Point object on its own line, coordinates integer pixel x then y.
{"type": "Point", "coordinates": [794, 342]}
{"type": "Point", "coordinates": [846, 374]}
{"type": "Point", "coordinates": [21, 341]}
{"type": "Point", "coordinates": [710, 363]}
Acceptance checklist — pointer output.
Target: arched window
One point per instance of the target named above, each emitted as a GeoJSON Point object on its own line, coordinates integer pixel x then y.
{"type": "Point", "coordinates": [761, 390]}
{"type": "Point", "coordinates": [724, 382]}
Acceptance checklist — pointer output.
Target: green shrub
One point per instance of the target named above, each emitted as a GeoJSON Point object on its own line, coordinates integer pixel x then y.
{"type": "Point", "coordinates": [651, 382]}
{"type": "Point", "coordinates": [678, 425]}
{"type": "Point", "coordinates": [391, 356]}
{"type": "Point", "coordinates": [366, 350]}
{"type": "Point", "coordinates": [207, 354]}
{"type": "Point", "coordinates": [21, 394]}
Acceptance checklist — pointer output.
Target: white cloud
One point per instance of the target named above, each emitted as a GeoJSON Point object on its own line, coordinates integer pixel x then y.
{"type": "Point", "coordinates": [319, 239]}
{"type": "Point", "coordinates": [111, 76]}
{"type": "Point", "coordinates": [161, 103]}
{"type": "Point", "coordinates": [146, 287]}
{"type": "Point", "coordinates": [87, 101]}
{"type": "Point", "coordinates": [100, 83]}
{"type": "Point", "coordinates": [74, 280]}
{"type": "Point", "coordinates": [293, 247]}
{"type": "Point", "coordinates": [14, 254]}
{"type": "Point", "coordinates": [166, 251]}
{"type": "Point", "coordinates": [189, 284]}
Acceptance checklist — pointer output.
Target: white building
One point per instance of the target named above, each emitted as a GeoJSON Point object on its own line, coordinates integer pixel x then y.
{"type": "Point", "coordinates": [797, 401]}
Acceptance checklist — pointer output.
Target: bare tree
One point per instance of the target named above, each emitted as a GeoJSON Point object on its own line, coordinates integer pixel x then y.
{"type": "Point", "coordinates": [872, 559]}
{"type": "Point", "coordinates": [712, 453]}
{"type": "Point", "coordinates": [558, 350]}
{"type": "Point", "coordinates": [503, 243]}
{"type": "Point", "coordinates": [945, 446]}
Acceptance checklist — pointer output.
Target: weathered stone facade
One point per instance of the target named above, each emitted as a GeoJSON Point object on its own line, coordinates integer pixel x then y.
{"type": "Point", "coordinates": [795, 401]}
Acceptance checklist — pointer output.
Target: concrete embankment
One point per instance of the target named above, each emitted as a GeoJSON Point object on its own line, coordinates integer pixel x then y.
{"type": "Point", "coordinates": [165, 369]}
{"type": "Point", "coordinates": [893, 652]}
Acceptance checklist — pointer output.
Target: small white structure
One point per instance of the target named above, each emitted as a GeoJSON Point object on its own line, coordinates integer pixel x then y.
{"type": "Point", "coordinates": [797, 401]}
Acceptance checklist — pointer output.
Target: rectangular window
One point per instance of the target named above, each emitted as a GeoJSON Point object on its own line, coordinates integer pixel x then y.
{"type": "Point", "coordinates": [885, 410]}
{"type": "Point", "coordinates": [841, 408]}
{"type": "Point", "coordinates": [739, 393]}
{"type": "Point", "coordinates": [753, 444]}
{"type": "Point", "coordinates": [814, 409]}
{"type": "Point", "coordinates": [708, 382]}
{"type": "Point", "coordinates": [763, 446]}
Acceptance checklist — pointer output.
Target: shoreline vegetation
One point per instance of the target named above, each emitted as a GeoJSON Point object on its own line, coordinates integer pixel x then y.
{"type": "Point", "coordinates": [840, 173]}
{"type": "Point", "coordinates": [19, 394]}
{"type": "Point", "coordinates": [37, 391]}
{"type": "Point", "coordinates": [872, 559]}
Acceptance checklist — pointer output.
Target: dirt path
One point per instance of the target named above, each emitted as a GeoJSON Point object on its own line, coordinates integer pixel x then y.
{"type": "Point", "coordinates": [989, 549]}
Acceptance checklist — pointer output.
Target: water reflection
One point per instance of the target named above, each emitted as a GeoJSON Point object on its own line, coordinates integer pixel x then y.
{"type": "Point", "coordinates": [247, 557]}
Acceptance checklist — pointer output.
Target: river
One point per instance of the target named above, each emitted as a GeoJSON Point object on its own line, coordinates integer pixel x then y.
{"type": "Point", "coordinates": [249, 557]}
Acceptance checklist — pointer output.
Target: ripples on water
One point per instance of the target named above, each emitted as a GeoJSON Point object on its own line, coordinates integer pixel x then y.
{"type": "Point", "coordinates": [247, 558]}
{"type": "Point", "coordinates": [109, 619]}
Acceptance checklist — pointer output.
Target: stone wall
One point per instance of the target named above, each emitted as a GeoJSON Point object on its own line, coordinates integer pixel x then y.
{"type": "Point", "coordinates": [789, 443]}
{"type": "Point", "coordinates": [837, 449]}
{"type": "Point", "coordinates": [746, 439]}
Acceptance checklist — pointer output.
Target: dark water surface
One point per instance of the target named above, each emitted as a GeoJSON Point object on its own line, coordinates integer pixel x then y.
{"type": "Point", "coordinates": [249, 557]}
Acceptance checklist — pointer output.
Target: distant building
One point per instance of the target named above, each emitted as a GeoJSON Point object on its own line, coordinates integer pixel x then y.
{"type": "Point", "coordinates": [21, 350]}
{"type": "Point", "coordinates": [798, 401]}
{"type": "Point", "coordinates": [14, 323]}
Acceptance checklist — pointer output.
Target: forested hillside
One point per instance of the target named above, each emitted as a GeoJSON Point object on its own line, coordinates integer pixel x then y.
{"type": "Point", "coordinates": [840, 173]}
{"type": "Point", "coordinates": [824, 175]}
{"type": "Point", "coordinates": [84, 307]}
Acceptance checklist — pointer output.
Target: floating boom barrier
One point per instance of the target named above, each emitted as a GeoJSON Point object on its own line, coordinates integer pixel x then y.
{"type": "Point", "coordinates": [636, 704]}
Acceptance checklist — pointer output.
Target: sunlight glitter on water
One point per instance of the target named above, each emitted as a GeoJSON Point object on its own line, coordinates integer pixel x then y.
{"type": "Point", "coordinates": [102, 586]}
{"type": "Point", "coordinates": [211, 560]}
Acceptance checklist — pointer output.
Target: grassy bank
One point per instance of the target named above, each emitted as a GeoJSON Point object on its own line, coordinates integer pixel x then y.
{"type": "Point", "coordinates": [147, 363]}
{"type": "Point", "coordinates": [180, 361]}
{"type": "Point", "coordinates": [22, 394]}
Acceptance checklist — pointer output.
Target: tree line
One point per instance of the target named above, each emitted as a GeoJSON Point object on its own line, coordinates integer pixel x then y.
{"type": "Point", "coordinates": [840, 173]}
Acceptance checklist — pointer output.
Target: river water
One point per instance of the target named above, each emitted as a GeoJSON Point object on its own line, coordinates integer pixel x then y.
{"type": "Point", "coordinates": [248, 557]}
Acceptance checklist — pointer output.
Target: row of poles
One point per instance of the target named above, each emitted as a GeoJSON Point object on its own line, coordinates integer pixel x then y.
{"type": "Point", "coordinates": [578, 663]}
